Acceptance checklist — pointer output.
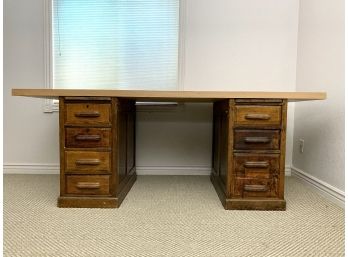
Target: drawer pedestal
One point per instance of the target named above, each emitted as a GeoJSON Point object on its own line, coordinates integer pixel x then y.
{"type": "Point", "coordinates": [97, 151]}
{"type": "Point", "coordinates": [249, 153]}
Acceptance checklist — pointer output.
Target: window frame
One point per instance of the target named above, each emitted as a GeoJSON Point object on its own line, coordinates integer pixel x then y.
{"type": "Point", "coordinates": [52, 105]}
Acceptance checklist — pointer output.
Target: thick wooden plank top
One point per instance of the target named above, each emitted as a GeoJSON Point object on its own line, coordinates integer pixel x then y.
{"type": "Point", "coordinates": [147, 95]}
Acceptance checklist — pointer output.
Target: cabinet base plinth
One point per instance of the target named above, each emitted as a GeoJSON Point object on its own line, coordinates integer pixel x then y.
{"type": "Point", "coordinates": [87, 202]}
{"type": "Point", "coordinates": [257, 204]}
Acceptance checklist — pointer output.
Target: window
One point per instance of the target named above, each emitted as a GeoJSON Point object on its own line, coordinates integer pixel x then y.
{"type": "Point", "coordinates": [115, 44]}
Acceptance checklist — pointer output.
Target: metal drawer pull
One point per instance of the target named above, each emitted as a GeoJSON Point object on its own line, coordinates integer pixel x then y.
{"type": "Point", "coordinates": [255, 188]}
{"type": "Point", "coordinates": [257, 140]}
{"type": "Point", "coordinates": [88, 185]}
{"type": "Point", "coordinates": [257, 116]}
{"type": "Point", "coordinates": [256, 164]}
{"type": "Point", "coordinates": [94, 114]}
{"type": "Point", "coordinates": [87, 162]}
{"type": "Point", "coordinates": [88, 137]}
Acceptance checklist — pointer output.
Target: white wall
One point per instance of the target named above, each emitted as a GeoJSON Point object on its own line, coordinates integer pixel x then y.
{"type": "Point", "coordinates": [30, 136]}
{"type": "Point", "coordinates": [229, 45]}
{"type": "Point", "coordinates": [320, 67]}
{"type": "Point", "coordinates": [241, 45]}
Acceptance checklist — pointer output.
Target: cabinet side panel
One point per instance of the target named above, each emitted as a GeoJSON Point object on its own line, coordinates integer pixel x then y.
{"type": "Point", "coordinates": [131, 137]}
{"type": "Point", "coordinates": [224, 126]}
{"type": "Point", "coordinates": [62, 145]}
{"type": "Point", "coordinates": [126, 141]}
{"type": "Point", "coordinates": [230, 168]}
{"type": "Point", "coordinates": [221, 144]}
{"type": "Point", "coordinates": [122, 141]}
{"type": "Point", "coordinates": [283, 148]}
{"type": "Point", "coordinates": [216, 139]}
{"type": "Point", "coordinates": [114, 147]}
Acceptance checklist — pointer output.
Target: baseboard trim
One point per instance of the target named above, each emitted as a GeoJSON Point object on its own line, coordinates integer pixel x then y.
{"type": "Point", "coordinates": [174, 170]}
{"type": "Point", "coordinates": [48, 168]}
{"type": "Point", "coordinates": [331, 193]}
{"type": "Point", "coordinates": [31, 168]}
{"type": "Point", "coordinates": [183, 170]}
{"type": "Point", "coordinates": [42, 168]}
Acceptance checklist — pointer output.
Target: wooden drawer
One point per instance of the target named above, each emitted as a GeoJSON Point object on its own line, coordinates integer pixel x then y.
{"type": "Point", "coordinates": [88, 185]}
{"type": "Point", "coordinates": [256, 165]}
{"type": "Point", "coordinates": [258, 115]}
{"type": "Point", "coordinates": [87, 162]}
{"type": "Point", "coordinates": [87, 137]}
{"type": "Point", "coordinates": [256, 139]}
{"type": "Point", "coordinates": [87, 113]}
{"type": "Point", "coordinates": [245, 187]}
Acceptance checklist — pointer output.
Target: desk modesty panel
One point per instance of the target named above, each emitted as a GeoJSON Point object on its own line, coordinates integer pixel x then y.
{"type": "Point", "coordinates": [97, 144]}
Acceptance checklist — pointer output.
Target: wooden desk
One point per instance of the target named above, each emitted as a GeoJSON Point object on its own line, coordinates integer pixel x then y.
{"type": "Point", "coordinates": [97, 144]}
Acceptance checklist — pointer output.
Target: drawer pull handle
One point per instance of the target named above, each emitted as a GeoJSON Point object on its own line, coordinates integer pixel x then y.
{"type": "Point", "coordinates": [257, 116]}
{"type": "Point", "coordinates": [92, 162]}
{"type": "Point", "coordinates": [255, 188]}
{"type": "Point", "coordinates": [257, 140]}
{"type": "Point", "coordinates": [88, 137]}
{"type": "Point", "coordinates": [87, 114]}
{"type": "Point", "coordinates": [256, 165]}
{"type": "Point", "coordinates": [88, 185]}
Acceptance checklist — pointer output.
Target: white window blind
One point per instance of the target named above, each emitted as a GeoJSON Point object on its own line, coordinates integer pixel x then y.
{"type": "Point", "coordinates": [115, 44]}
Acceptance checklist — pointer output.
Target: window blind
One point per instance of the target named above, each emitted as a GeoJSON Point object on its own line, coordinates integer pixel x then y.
{"type": "Point", "coordinates": [115, 44]}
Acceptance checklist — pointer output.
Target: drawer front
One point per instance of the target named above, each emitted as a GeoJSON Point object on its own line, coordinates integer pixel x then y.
{"type": "Point", "coordinates": [87, 137]}
{"type": "Point", "coordinates": [245, 187]}
{"type": "Point", "coordinates": [256, 165]}
{"type": "Point", "coordinates": [87, 162]}
{"type": "Point", "coordinates": [258, 115]}
{"type": "Point", "coordinates": [256, 139]}
{"type": "Point", "coordinates": [88, 113]}
{"type": "Point", "coordinates": [87, 185]}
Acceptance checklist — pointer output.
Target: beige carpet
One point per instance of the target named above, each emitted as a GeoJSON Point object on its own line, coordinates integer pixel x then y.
{"type": "Point", "coordinates": [166, 216]}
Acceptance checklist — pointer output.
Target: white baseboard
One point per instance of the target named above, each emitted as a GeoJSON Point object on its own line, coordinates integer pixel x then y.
{"type": "Point", "coordinates": [173, 170]}
{"type": "Point", "coordinates": [42, 168]}
{"type": "Point", "coordinates": [331, 193]}
{"type": "Point", "coordinates": [184, 170]}
{"type": "Point", "coordinates": [31, 168]}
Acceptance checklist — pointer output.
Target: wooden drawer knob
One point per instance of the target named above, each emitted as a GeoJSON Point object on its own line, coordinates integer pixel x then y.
{"type": "Point", "coordinates": [256, 164]}
{"type": "Point", "coordinates": [88, 137]}
{"type": "Point", "coordinates": [92, 114]}
{"type": "Point", "coordinates": [257, 116]}
{"type": "Point", "coordinates": [88, 185]}
{"type": "Point", "coordinates": [257, 140]}
{"type": "Point", "coordinates": [92, 162]}
{"type": "Point", "coordinates": [255, 188]}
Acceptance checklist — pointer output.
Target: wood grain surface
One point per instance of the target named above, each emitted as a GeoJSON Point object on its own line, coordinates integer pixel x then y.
{"type": "Point", "coordinates": [147, 95]}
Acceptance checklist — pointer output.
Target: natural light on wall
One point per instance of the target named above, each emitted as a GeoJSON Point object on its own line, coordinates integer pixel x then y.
{"type": "Point", "coordinates": [118, 44]}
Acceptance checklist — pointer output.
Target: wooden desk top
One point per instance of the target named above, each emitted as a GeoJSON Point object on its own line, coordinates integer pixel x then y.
{"type": "Point", "coordinates": [147, 95]}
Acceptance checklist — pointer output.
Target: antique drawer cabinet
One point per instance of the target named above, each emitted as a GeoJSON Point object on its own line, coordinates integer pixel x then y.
{"type": "Point", "coordinates": [249, 153]}
{"type": "Point", "coordinates": [97, 158]}
{"type": "Point", "coordinates": [97, 144]}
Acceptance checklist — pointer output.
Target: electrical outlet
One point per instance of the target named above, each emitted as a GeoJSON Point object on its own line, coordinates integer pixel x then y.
{"type": "Point", "coordinates": [301, 145]}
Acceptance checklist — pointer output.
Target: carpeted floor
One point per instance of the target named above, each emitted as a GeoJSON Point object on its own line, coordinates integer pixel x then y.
{"type": "Point", "coordinates": [166, 216]}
